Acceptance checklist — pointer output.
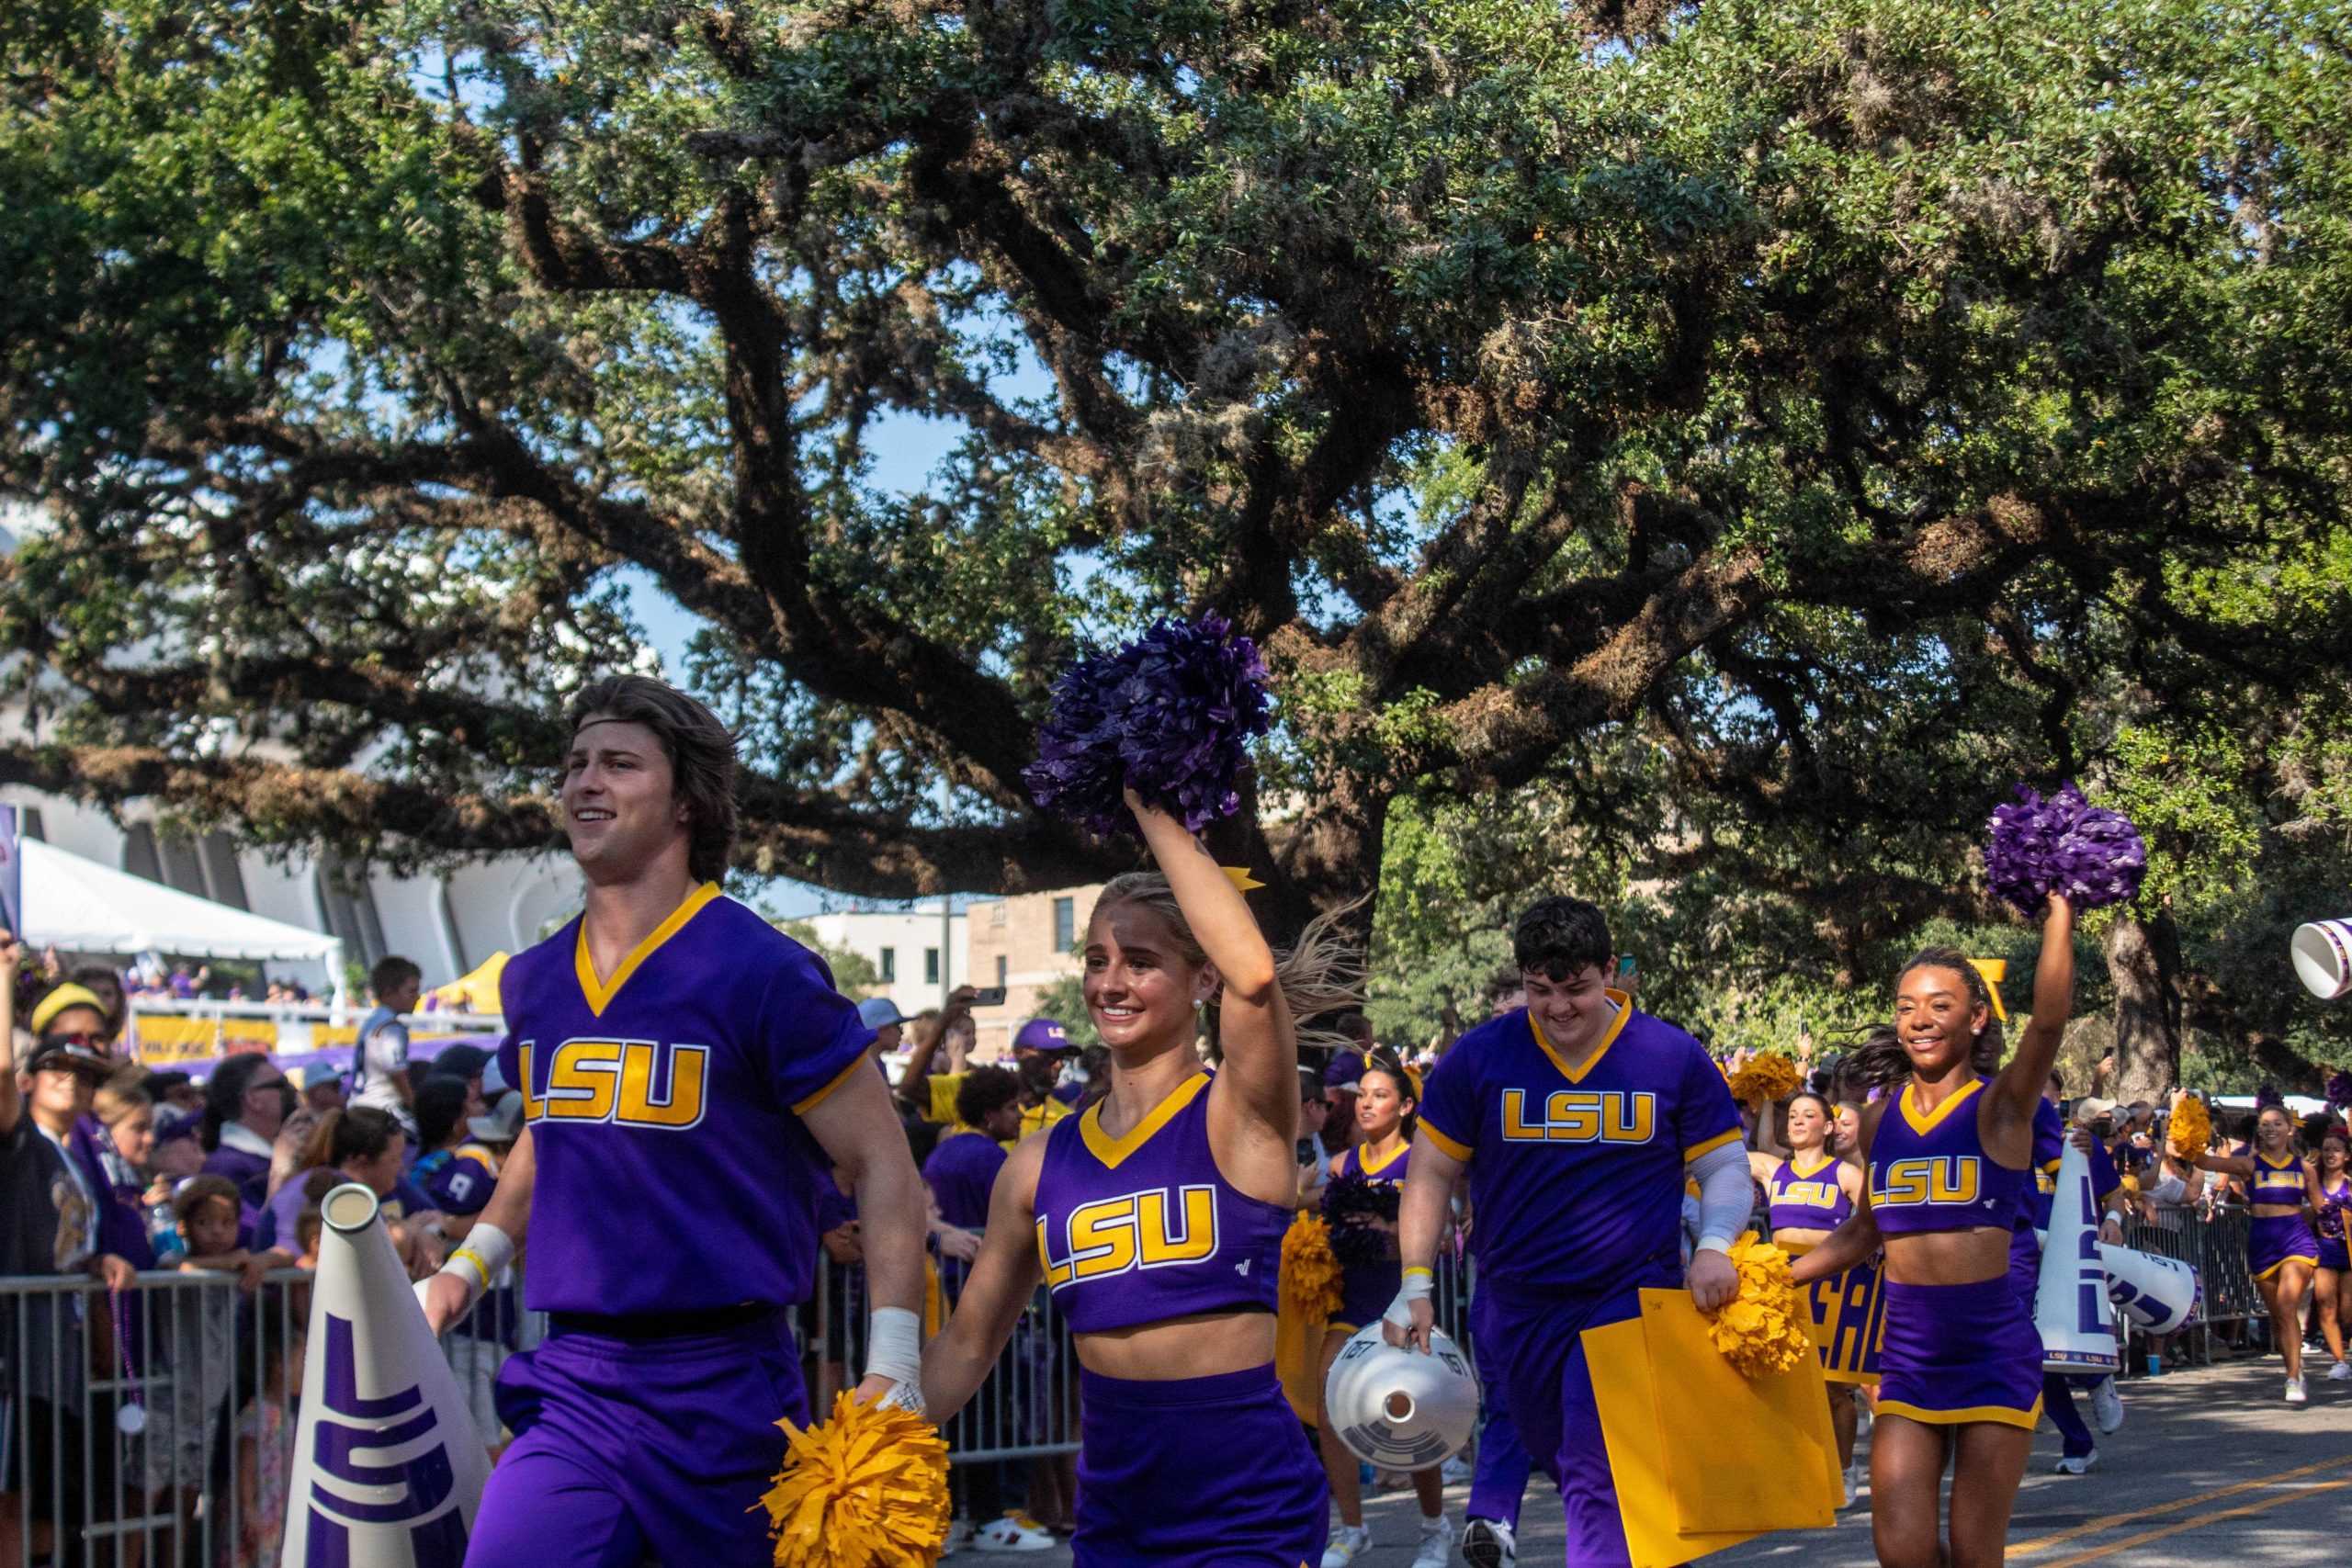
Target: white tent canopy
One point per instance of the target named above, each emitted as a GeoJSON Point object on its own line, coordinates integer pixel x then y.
{"type": "Point", "coordinates": [80, 906]}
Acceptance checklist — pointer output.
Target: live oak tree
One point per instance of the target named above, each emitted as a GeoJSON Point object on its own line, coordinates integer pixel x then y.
{"type": "Point", "coordinates": [1763, 427]}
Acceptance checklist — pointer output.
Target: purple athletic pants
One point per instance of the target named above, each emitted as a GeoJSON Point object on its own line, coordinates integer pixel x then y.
{"type": "Point", "coordinates": [1539, 1344]}
{"type": "Point", "coordinates": [627, 1450]}
{"type": "Point", "coordinates": [1498, 1479]}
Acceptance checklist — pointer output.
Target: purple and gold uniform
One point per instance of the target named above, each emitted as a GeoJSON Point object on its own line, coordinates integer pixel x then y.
{"type": "Point", "coordinates": [1952, 1353]}
{"type": "Point", "coordinates": [2330, 1231]}
{"type": "Point", "coordinates": [1576, 1178]}
{"type": "Point", "coordinates": [673, 1216]}
{"type": "Point", "coordinates": [1849, 1310]}
{"type": "Point", "coordinates": [1366, 1288]}
{"type": "Point", "coordinates": [2273, 1241]}
{"type": "Point", "coordinates": [1141, 1229]}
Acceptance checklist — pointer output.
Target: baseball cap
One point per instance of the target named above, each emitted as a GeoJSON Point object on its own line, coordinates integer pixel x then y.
{"type": "Point", "coordinates": [71, 1053]}
{"type": "Point", "coordinates": [60, 997]}
{"type": "Point", "coordinates": [504, 1123]}
{"type": "Point", "coordinates": [1042, 1034]}
{"type": "Point", "coordinates": [2089, 1109]}
{"type": "Point", "coordinates": [879, 1012]}
{"type": "Point", "coordinates": [460, 1061]}
{"type": "Point", "coordinates": [1345, 1071]}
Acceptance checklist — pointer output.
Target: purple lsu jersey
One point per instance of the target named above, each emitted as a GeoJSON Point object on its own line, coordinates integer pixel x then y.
{"type": "Point", "coordinates": [1931, 1173]}
{"type": "Point", "coordinates": [1144, 1229]}
{"type": "Point", "coordinates": [1576, 1178]}
{"type": "Point", "coordinates": [961, 1174]}
{"type": "Point", "coordinates": [673, 1171]}
{"type": "Point", "coordinates": [2276, 1182]}
{"type": "Point", "coordinates": [1809, 1200]}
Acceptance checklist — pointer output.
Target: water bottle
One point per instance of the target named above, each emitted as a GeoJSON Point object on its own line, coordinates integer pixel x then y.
{"type": "Point", "coordinates": [2155, 1366]}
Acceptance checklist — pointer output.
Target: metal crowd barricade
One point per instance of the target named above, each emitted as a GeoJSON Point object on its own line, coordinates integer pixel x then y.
{"type": "Point", "coordinates": [2214, 1244]}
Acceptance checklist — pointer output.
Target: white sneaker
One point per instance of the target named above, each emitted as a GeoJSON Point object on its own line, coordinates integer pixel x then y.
{"type": "Point", "coordinates": [1348, 1543]}
{"type": "Point", "coordinates": [2076, 1464]}
{"type": "Point", "coordinates": [1456, 1471]}
{"type": "Point", "coordinates": [1015, 1532]}
{"type": "Point", "coordinates": [2295, 1394]}
{"type": "Point", "coordinates": [1437, 1543]}
{"type": "Point", "coordinates": [2107, 1407]}
{"type": "Point", "coordinates": [1489, 1543]}
{"type": "Point", "coordinates": [1853, 1485]}
{"type": "Point", "coordinates": [2340, 1372]}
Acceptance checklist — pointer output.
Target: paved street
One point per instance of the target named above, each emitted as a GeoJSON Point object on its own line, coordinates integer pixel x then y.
{"type": "Point", "coordinates": [2211, 1467]}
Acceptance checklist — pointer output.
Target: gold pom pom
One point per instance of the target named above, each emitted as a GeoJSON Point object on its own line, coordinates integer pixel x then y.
{"type": "Point", "coordinates": [1765, 1076]}
{"type": "Point", "coordinates": [2192, 1126]}
{"type": "Point", "coordinates": [1762, 1329]}
{"type": "Point", "coordinates": [1310, 1274]}
{"type": "Point", "coordinates": [866, 1489]}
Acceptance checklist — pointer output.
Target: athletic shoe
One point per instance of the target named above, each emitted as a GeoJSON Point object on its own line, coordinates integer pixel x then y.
{"type": "Point", "coordinates": [2078, 1464]}
{"type": "Point", "coordinates": [1348, 1543]}
{"type": "Point", "coordinates": [2295, 1394]}
{"type": "Point", "coordinates": [2340, 1372]}
{"type": "Point", "coordinates": [1489, 1543]}
{"type": "Point", "coordinates": [1015, 1532]}
{"type": "Point", "coordinates": [1437, 1543]}
{"type": "Point", "coordinates": [2107, 1404]}
{"type": "Point", "coordinates": [1456, 1471]}
{"type": "Point", "coordinates": [1854, 1479]}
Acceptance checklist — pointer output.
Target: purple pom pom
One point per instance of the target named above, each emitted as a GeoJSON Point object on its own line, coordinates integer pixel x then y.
{"type": "Point", "coordinates": [2064, 845]}
{"type": "Point", "coordinates": [2268, 1095]}
{"type": "Point", "coordinates": [2339, 1089]}
{"type": "Point", "coordinates": [1171, 715]}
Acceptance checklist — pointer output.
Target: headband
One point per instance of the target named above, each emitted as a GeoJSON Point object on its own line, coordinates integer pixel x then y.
{"type": "Point", "coordinates": [63, 997]}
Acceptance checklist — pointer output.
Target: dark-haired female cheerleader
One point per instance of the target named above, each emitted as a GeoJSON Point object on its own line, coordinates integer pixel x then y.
{"type": "Point", "coordinates": [2331, 1198]}
{"type": "Point", "coordinates": [1370, 1276]}
{"type": "Point", "coordinates": [1950, 1159]}
{"type": "Point", "coordinates": [1156, 1217]}
{"type": "Point", "coordinates": [1811, 1193]}
{"type": "Point", "coordinates": [2280, 1250]}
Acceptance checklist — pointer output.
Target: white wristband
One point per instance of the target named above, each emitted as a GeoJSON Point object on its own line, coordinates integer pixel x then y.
{"type": "Point", "coordinates": [487, 1250]}
{"type": "Point", "coordinates": [1418, 1285]}
{"type": "Point", "coordinates": [894, 1350]}
{"type": "Point", "coordinates": [1713, 1244]}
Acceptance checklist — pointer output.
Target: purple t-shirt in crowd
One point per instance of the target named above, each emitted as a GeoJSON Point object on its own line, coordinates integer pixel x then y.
{"type": "Point", "coordinates": [961, 1172]}
{"type": "Point", "coordinates": [673, 1172]}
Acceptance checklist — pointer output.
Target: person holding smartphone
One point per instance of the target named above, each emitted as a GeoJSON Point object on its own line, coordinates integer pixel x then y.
{"type": "Point", "coordinates": [1038, 1052]}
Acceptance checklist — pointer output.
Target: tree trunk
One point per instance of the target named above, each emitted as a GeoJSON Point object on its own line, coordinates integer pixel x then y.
{"type": "Point", "coordinates": [2147, 1010]}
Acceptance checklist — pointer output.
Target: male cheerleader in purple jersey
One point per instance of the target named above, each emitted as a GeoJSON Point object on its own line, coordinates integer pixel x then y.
{"type": "Point", "coordinates": [1949, 1158]}
{"type": "Point", "coordinates": [689, 1077]}
{"type": "Point", "coordinates": [1156, 1217]}
{"type": "Point", "coordinates": [1580, 1120]}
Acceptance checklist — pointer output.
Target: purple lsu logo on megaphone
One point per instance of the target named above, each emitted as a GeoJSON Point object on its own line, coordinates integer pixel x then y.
{"type": "Point", "coordinates": [422, 1482]}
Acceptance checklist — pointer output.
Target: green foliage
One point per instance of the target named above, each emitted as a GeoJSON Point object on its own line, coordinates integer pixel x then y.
{"type": "Point", "coordinates": [854, 973]}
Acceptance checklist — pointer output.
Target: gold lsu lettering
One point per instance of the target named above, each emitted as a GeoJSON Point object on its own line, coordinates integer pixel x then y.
{"type": "Point", "coordinates": [1581, 1116]}
{"type": "Point", "coordinates": [1928, 1178]}
{"type": "Point", "coordinates": [1142, 1230]}
{"type": "Point", "coordinates": [620, 1081]}
{"type": "Point", "coordinates": [1808, 1194]}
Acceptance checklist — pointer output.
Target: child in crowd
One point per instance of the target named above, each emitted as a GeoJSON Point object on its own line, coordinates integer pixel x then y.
{"type": "Point", "coordinates": [197, 1329]}
{"type": "Point", "coordinates": [266, 1452]}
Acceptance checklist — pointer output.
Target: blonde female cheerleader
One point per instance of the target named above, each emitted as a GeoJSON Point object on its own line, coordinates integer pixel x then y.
{"type": "Point", "coordinates": [1950, 1160]}
{"type": "Point", "coordinates": [1811, 1193]}
{"type": "Point", "coordinates": [2331, 1195]}
{"type": "Point", "coordinates": [2280, 1250]}
{"type": "Point", "coordinates": [1360, 1205]}
{"type": "Point", "coordinates": [1156, 1219]}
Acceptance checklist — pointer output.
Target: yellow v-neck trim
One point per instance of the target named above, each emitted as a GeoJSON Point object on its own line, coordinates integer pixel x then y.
{"type": "Point", "coordinates": [2287, 1163]}
{"type": "Point", "coordinates": [1111, 1150]}
{"type": "Point", "coordinates": [1365, 1167]}
{"type": "Point", "coordinates": [1827, 1161]}
{"type": "Point", "coordinates": [600, 993]}
{"type": "Point", "coordinates": [1616, 1027]}
{"type": "Point", "coordinates": [1941, 1112]}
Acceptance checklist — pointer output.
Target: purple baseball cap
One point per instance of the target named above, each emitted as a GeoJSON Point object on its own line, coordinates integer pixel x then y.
{"type": "Point", "coordinates": [1042, 1034]}
{"type": "Point", "coordinates": [1345, 1071]}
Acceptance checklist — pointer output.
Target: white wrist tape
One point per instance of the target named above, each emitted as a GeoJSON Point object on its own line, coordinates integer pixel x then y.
{"type": "Point", "coordinates": [1419, 1285]}
{"type": "Point", "coordinates": [485, 1252]}
{"type": "Point", "coordinates": [894, 1350]}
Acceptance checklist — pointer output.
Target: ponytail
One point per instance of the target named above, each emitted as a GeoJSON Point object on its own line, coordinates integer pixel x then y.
{"type": "Point", "coordinates": [1321, 974]}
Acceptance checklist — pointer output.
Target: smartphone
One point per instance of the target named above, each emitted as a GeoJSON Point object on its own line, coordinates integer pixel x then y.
{"type": "Point", "coordinates": [1625, 966]}
{"type": "Point", "coordinates": [989, 996]}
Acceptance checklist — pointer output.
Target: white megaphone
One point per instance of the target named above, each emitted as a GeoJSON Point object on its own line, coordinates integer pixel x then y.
{"type": "Point", "coordinates": [2155, 1293]}
{"type": "Point", "coordinates": [388, 1468]}
{"type": "Point", "coordinates": [2070, 1304]}
{"type": "Point", "coordinates": [1395, 1408]}
{"type": "Point", "coordinates": [2322, 954]}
